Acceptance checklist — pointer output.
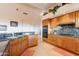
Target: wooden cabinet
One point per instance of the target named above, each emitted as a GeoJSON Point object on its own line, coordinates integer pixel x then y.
{"type": "Point", "coordinates": [77, 46]}
{"type": "Point", "coordinates": [24, 44]}
{"type": "Point", "coordinates": [67, 18]}
{"type": "Point", "coordinates": [33, 40]}
{"type": "Point", "coordinates": [46, 22]}
{"type": "Point", "coordinates": [17, 46]}
{"type": "Point", "coordinates": [64, 19]}
{"type": "Point", "coordinates": [77, 19]}
{"type": "Point", "coordinates": [13, 48]}
{"type": "Point", "coordinates": [68, 43]}
{"type": "Point", "coordinates": [72, 17]}
{"type": "Point", "coordinates": [54, 22]}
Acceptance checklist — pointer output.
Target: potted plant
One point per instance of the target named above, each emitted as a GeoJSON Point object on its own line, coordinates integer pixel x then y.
{"type": "Point", "coordinates": [54, 10]}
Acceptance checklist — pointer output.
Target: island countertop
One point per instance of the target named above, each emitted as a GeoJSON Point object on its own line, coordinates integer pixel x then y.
{"type": "Point", "coordinates": [11, 38]}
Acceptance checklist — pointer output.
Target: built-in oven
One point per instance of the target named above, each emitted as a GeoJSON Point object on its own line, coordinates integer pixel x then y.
{"type": "Point", "coordinates": [45, 32]}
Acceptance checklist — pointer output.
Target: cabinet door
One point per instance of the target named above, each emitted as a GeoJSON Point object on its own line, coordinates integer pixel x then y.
{"type": "Point", "coordinates": [77, 46]}
{"type": "Point", "coordinates": [72, 17]}
{"type": "Point", "coordinates": [54, 22]}
{"type": "Point", "coordinates": [54, 40]}
{"type": "Point", "coordinates": [64, 19]}
{"type": "Point", "coordinates": [67, 18]}
{"type": "Point", "coordinates": [59, 41]}
{"type": "Point", "coordinates": [13, 48]}
{"type": "Point", "coordinates": [64, 42]}
{"type": "Point", "coordinates": [46, 22]}
{"type": "Point", "coordinates": [70, 44]}
{"type": "Point", "coordinates": [77, 19]}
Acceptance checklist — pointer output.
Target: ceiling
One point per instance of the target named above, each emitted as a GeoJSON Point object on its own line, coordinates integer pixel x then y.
{"type": "Point", "coordinates": [43, 6]}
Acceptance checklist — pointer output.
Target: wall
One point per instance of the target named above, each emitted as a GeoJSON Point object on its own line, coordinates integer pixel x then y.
{"type": "Point", "coordinates": [30, 22]}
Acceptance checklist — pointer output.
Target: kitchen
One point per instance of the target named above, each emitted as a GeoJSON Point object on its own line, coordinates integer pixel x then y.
{"type": "Point", "coordinates": [17, 33]}
{"type": "Point", "coordinates": [63, 30]}
{"type": "Point", "coordinates": [30, 29]}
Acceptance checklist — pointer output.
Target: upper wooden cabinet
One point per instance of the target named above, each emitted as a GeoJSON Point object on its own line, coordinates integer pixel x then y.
{"type": "Point", "coordinates": [77, 19]}
{"type": "Point", "coordinates": [54, 22]}
{"type": "Point", "coordinates": [46, 22]}
{"type": "Point", "coordinates": [72, 17]}
{"type": "Point", "coordinates": [67, 18]}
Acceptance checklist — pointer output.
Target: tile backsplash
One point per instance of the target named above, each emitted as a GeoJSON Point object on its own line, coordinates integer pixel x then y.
{"type": "Point", "coordinates": [66, 30]}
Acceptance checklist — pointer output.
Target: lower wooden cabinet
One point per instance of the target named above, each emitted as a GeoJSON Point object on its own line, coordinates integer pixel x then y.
{"type": "Point", "coordinates": [77, 46]}
{"type": "Point", "coordinates": [17, 46]}
{"type": "Point", "coordinates": [12, 48]}
{"type": "Point", "coordinates": [33, 40]}
{"type": "Point", "coordinates": [68, 43]}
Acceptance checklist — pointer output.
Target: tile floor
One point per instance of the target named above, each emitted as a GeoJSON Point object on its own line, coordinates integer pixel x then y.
{"type": "Point", "coordinates": [46, 49]}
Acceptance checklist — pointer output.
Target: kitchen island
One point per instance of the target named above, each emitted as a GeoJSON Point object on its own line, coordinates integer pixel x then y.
{"type": "Point", "coordinates": [17, 45]}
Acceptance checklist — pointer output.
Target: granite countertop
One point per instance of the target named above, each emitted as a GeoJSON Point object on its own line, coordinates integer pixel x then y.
{"type": "Point", "coordinates": [71, 36]}
{"type": "Point", "coordinates": [3, 40]}
{"type": "Point", "coordinates": [10, 38]}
